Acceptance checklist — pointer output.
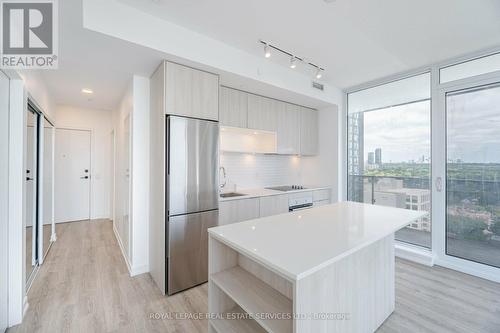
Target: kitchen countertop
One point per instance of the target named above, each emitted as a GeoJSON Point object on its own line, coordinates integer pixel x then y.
{"type": "Point", "coordinates": [262, 192]}
{"type": "Point", "coordinates": [298, 244]}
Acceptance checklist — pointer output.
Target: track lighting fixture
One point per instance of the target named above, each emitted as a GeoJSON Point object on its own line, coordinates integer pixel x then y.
{"type": "Point", "coordinates": [293, 59]}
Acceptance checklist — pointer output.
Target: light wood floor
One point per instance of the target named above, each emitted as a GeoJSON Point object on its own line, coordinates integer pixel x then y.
{"type": "Point", "coordinates": [84, 286]}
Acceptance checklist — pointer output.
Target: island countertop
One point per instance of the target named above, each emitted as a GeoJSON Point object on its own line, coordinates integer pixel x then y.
{"type": "Point", "coordinates": [298, 244]}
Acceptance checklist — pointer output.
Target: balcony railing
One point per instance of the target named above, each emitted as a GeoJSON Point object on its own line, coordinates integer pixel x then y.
{"type": "Point", "coordinates": [473, 206]}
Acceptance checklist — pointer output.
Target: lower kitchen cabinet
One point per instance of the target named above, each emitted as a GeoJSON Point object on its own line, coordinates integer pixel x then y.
{"type": "Point", "coordinates": [273, 205]}
{"type": "Point", "coordinates": [239, 210]}
{"type": "Point", "coordinates": [321, 197]}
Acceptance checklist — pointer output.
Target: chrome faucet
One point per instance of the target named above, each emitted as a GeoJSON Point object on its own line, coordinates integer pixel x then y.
{"type": "Point", "coordinates": [222, 185]}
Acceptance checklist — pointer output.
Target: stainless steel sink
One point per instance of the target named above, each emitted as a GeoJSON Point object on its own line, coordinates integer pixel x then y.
{"type": "Point", "coordinates": [231, 195]}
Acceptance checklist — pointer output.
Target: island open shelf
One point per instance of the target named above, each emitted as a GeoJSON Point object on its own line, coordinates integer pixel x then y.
{"type": "Point", "coordinates": [327, 269]}
{"type": "Point", "coordinates": [230, 325]}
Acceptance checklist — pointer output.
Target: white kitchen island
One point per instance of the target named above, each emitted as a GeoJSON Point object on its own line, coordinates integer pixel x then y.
{"type": "Point", "coordinates": [326, 269]}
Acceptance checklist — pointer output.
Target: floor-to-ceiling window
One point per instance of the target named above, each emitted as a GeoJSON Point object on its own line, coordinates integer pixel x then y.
{"type": "Point", "coordinates": [389, 150]}
{"type": "Point", "coordinates": [392, 161]}
{"type": "Point", "coordinates": [473, 174]}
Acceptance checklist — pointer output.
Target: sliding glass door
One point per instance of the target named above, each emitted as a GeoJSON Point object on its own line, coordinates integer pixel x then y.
{"type": "Point", "coordinates": [473, 174]}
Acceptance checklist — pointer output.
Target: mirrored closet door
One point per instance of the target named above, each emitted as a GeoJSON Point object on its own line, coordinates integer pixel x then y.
{"type": "Point", "coordinates": [47, 200]}
{"type": "Point", "coordinates": [31, 208]}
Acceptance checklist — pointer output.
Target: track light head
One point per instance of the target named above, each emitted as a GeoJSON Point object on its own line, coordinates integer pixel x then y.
{"type": "Point", "coordinates": [267, 51]}
{"type": "Point", "coordinates": [293, 62]}
{"type": "Point", "coordinates": [318, 73]}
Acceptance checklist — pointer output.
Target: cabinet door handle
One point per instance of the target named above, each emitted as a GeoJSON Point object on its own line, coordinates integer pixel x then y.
{"type": "Point", "coordinates": [84, 177]}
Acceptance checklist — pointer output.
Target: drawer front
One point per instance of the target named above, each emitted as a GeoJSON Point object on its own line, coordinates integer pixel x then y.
{"type": "Point", "coordinates": [320, 195]}
{"type": "Point", "coordinates": [321, 203]}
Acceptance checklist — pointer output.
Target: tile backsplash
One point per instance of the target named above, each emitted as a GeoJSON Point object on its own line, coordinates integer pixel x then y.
{"type": "Point", "coordinates": [258, 170]}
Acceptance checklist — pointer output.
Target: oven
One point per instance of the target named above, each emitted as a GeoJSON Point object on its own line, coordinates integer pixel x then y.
{"type": "Point", "coordinates": [300, 201]}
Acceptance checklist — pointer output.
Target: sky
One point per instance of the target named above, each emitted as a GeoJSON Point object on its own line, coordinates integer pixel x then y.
{"type": "Point", "coordinates": [403, 132]}
{"type": "Point", "coordinates": [473, 129]}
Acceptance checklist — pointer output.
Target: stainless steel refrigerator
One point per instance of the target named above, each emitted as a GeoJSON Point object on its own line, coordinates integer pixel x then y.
{"type": "Point", "coordinates": [192, 199]}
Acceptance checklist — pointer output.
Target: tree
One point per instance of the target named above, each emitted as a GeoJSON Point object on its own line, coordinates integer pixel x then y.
{"type": "Point", "coordinates": [466, 227]}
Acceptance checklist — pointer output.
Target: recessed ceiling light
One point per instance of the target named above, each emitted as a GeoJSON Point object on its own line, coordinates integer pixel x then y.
{"type": "Point", "coordinates": [87, 91]}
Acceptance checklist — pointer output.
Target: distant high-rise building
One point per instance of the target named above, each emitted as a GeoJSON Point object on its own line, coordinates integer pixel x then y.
{"type": "Point", "coordinates": [371, 157]}
{"type": "Point", "coordinates": [378, 156]}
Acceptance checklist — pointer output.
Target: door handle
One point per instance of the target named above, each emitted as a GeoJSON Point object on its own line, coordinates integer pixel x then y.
{"type": "Point", "coordinates": [28, 178]}
{"type": "Point", "coordinates": [84, 177]}
{"type": "Point", "coordinates": [439, 184]}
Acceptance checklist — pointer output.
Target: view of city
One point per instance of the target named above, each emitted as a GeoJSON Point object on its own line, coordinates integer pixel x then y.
{"type": "Point", "coordinates": [389, 164]}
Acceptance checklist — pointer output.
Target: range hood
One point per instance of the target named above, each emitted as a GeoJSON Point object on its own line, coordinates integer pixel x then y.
{"type": "Point", "coordinates": [245, 140]}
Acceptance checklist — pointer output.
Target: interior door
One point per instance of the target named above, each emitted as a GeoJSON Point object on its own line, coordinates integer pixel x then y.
{"type": "Point", "coordinates": [4, 178]}
{"type": "Point", "coordinates": [72, 175]}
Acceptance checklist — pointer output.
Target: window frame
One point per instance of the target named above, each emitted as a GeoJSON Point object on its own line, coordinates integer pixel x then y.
{"type": "Point", "coordinates": [437, 253]}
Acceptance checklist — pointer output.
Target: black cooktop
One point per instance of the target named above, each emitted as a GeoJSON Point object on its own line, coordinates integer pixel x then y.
{"type": "Point", "coordinates": [286, 188]}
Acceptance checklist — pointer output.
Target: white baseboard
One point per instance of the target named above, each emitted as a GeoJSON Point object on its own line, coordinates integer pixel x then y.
{"type": "Point", "coordinates": [117, 236]}
{"type": "Point", "coordinates": [139, 270]}
{"type": "Point", "coordinates": [415, 254]}
{"type": "Point", "coordinates": [25, 305]}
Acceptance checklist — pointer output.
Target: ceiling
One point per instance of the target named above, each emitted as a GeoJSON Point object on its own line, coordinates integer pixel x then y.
{"type": "Point", "coordinates": [92, 60]}
{"type": "Point", "coordinates": [355, 40]}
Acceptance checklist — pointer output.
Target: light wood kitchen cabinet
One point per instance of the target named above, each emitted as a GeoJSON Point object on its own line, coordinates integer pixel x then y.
{"type": "Point", "coordinates": [262, 114]}
{"type": "Point", "coordinates": [191, 92]}
{"type": "Point", "coordinates": [308, 131]}
{"type": "Point", "coordinates": [288, 131]}
{"type": "Point", "coordinates": [273, 205]}
{"type": "Point", "coordinates": [296, 127]}
{"type": "Point", "coordinates": [233, 211]}
{"type": "Point", "coordinates": [233, 107]}
{"type": "Point", "coordinates": [321, 197]}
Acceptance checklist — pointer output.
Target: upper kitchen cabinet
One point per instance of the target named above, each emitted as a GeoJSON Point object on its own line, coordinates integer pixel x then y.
{"type": "Point", "coordinates": [308, 131]}
{"type": "Point", "coordinates": [191, 92]}
{"type": "Point", "coordinates": [288, 130]}
{"type": "Point", "coordinates": [262, 114]}
{"type": "Point", "coordinates": [233, 107]}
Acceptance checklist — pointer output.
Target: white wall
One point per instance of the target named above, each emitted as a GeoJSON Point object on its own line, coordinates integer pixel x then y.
{"type": "Point", "coordinates": [100, 123]}
{"type": "Point", "coordinates": [36, 87]}
{"type": "Point", "coordinates": [17, 270]}
{"type": "Point", "coordinates": [131, 125]}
